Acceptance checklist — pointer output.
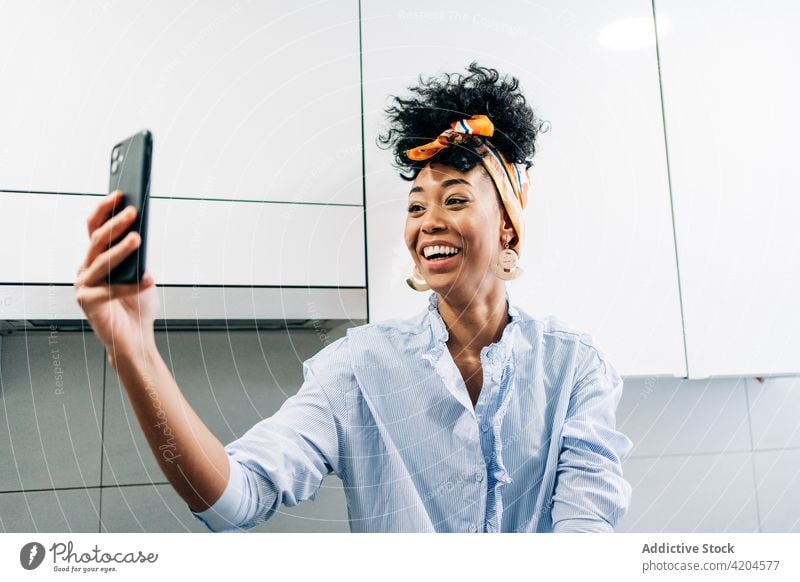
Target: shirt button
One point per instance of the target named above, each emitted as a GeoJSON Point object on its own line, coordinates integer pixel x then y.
{"type": "Point", "coordinates": [473, 528]}
{"type": "Point", "coordinates": [479, 477]}
{"type": "Point", "coordinates": [484, 427]}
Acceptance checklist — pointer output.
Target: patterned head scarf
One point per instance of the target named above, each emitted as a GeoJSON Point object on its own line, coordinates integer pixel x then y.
{"type": "Point", "coordinates": [512, 180]}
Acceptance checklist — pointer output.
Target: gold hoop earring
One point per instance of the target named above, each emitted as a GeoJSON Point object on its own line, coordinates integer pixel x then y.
{"type": "Point", "coordinates": [506, 267]}
{"type": "Point", "coordinates": [416, 281]}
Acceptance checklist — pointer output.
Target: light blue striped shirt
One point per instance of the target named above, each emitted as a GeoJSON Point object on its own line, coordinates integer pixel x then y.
{"type": "Point", "coordinates": [386, 409]}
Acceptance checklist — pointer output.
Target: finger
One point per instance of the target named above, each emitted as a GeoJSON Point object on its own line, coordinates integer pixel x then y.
{"type": "Point", "coordinates": [146, 281]}
{"type": "Point", "coordinates": [101, 266]}
{"type": "Point", "coordinates": [103, 211]}
{"type": "Point", "coordinates": [108, 233]}
{"type": "Point", "coordinates": [88, 296]}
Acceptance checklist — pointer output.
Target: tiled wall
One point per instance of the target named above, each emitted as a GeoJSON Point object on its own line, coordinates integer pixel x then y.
{"type": "Point", "coordinates": [712, 455]}
{"type": "Point", "coordinates": [73, 458]}
{"type": "Point", "coordinates": [717, 455]}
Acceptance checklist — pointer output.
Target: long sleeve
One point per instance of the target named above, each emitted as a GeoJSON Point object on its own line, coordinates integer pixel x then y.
{"type": "Point", "coordinates": [284, 458]}
{"type": "Point", "coordinates": [590, 493]}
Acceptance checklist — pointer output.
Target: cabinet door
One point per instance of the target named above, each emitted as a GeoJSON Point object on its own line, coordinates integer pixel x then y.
{"type": "Point", "coordinates": [192, 242]}
{"type": "Point", "coordinates": [212, 259]}
{"type": "Point", "coordinates": [246, 100]}
{"type": "Point", "coordinates": [600, 252]}
{"type": "Point", "coordinates": [209, 242]}
{"type": "Point", "coordinates": [731, 90]}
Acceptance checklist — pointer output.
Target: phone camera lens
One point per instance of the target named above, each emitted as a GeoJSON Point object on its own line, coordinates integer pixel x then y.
{"type": "Point", "coordinates": [115, 153]}
{"type": "Point", "coordinates": [114, 166]}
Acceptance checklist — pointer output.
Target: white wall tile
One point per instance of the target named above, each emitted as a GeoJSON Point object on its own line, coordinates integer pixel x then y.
{"type": "Point", "coordinates": [71, 511]}
{"type": "Point", "coordinates": [701, 493]}
{"type": "Point", "coordinates": [778, 479]}
{"type": "Point", "coordinates": [775, 410]}
{"type": "Point", "coordinates": [146, 509]}
{"type": "Point", "coordinates": [51, 383]}
{"type": "Point", "coordinates": [677, 416]}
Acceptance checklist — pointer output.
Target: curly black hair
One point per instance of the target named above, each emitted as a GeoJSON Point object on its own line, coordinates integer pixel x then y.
{"type": "Point", "coordinates": [438, 101]}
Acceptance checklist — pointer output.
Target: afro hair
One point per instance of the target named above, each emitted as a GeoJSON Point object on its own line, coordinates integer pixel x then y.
{"type": "Point", "coordinates": [438, 101]}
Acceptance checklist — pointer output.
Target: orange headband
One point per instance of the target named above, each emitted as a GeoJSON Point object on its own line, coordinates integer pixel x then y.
{"type": "Point", "coordinates": [512, 180]}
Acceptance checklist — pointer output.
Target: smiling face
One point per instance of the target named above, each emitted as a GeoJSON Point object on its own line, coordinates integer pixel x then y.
{"type": "Point", "coordinates": [459, 216]}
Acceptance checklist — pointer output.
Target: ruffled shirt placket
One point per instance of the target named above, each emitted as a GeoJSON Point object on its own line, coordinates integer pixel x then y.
{"type": "Point", "coordinates": [497, 361]}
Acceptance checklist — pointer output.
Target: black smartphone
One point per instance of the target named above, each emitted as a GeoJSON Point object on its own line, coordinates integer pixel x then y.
{"type": "Point", "coordinates": [131, 160]}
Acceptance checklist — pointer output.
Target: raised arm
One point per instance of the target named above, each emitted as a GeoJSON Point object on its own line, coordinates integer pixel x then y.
{"type": "Point", "coordinates": [122, 316]}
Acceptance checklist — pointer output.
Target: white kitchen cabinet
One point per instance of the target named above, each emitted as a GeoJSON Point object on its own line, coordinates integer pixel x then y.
{"type": "Point", "coordinates": [731, 89]}
{"type": "Point", "coordinates": [246, 100]}
{"type": "Point", "coordinates": [205, 244]}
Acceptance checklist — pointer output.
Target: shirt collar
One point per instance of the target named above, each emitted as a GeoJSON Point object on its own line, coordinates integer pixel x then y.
{"type": "Point", "coordinates": [441, 334]}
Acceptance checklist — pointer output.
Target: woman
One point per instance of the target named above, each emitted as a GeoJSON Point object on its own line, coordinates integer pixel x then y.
{"type": "Point", "coordinates": [472, 416]}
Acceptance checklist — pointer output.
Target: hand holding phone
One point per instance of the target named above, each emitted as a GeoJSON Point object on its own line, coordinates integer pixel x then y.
{"type": "Point", "coordinates": [122, 315]}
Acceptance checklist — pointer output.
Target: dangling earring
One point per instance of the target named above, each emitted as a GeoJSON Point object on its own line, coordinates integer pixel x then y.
{"type": "Point", "coordinates": [506, 267]}
{"type": "Point", "coordinates": [416, 282]}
